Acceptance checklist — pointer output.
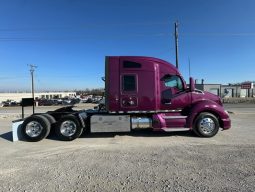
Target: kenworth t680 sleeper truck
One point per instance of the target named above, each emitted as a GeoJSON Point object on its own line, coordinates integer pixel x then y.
{"type": "Point", "coordinates": [140, 92]}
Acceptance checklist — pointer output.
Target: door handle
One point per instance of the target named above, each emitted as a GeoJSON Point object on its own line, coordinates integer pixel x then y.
{"type": "Point", "coordinates": [168, 103]}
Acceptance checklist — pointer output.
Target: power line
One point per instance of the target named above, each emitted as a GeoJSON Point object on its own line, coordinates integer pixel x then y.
{"type": "Point", "coordinates": [83, 26]}
{"type": "Point", "coordinates": [112, 36]}
{"type": "Point", "coordinates": [89, 37]}
{"type": "Point", "coordinates": [219, 34]}
{"type": "Point", "coordinates": [10, 78]}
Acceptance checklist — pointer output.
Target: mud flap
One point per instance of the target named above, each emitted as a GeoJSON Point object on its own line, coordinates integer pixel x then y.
{"type": "Point", "coordinates": [16, 130]}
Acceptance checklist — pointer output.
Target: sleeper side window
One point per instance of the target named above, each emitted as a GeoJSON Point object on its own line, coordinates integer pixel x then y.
{"type": "Point", "coordinates": [131, 64]}
{"type": "Point", "coordinates": [129, 83]}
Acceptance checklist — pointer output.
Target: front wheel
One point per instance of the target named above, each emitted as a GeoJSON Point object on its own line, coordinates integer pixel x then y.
{"type": "Point", "coordinates": [206, 125]}
{"type": "Point", "coordinates": [68, 128]}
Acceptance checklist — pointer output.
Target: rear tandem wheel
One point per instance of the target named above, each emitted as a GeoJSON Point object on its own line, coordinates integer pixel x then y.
{"type": "Point", "coordinates": [68, 128]}
{"type": "Point", "coordinates": [35, 128]}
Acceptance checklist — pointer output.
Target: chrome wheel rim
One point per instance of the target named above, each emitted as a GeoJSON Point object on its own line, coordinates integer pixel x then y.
{"type": "Point", "coordinates": [68, 128]}
{"type": "Point", "coordinates": [34, 129]}
{"type": "Point", "coordinates": [207, 125]}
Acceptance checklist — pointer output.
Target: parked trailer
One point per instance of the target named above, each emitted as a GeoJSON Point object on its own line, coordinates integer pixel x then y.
{"type": "Point", "coordinates": [140, 93]}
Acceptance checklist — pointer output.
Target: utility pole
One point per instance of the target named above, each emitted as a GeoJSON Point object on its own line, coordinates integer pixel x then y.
{"type": "Point", "coordinates": [32, 69]}
{"type": "Point", "coordinates": [176, 43]}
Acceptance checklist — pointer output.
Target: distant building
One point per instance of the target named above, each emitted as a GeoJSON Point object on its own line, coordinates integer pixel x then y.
{"type": "Point", "coordinates": [226, 91]}
{"type": "Point", "coordinates": [43, 95]}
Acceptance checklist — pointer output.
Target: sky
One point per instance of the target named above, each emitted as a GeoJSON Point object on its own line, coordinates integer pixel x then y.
{"type": "Point", "coordinates": [68, 39]}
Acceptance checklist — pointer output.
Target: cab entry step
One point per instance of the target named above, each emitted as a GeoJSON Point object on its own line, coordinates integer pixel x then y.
{"type": "Point", "coordinates": [110, 123]}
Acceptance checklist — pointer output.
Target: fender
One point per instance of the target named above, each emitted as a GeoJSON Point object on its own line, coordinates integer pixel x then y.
{"type": "Point", "coordinates": [206, 106]}
{"type": "Point", "coordinates": [65, 109]}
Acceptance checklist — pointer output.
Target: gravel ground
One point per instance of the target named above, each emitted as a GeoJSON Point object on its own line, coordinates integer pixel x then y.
{"type": "Point", "coordinates": [141, 161]}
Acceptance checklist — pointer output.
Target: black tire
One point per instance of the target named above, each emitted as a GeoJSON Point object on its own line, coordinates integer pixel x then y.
{"type": "Point", "coordinates": [52, 121]}
{"type": "Point", "coordinates": [206, 125]}
{"type": "Point", "coordinates": [29, 126]}
{"type": "Point", "coordinates": [50, 118]}
{"type": "Point", "coordinates": [194, 130]}
{"type": "Point", "coordinates": [71, 122]}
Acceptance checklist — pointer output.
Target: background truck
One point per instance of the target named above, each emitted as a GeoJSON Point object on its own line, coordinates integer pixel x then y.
{"type": "Point", "coordinates": [140, 93]}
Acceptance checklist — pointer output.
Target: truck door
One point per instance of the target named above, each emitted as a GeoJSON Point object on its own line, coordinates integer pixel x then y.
{"type": "Point", "coordinates": [173, 94]}
{"type": "Point", "coordinates": [174, 100]}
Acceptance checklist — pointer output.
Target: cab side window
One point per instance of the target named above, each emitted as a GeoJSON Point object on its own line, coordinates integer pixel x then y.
{"type": "Point", "coordinates": [173, 82]}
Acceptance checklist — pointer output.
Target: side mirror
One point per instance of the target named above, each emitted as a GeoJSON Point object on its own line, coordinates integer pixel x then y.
{"type": "Point", "coordinates": [191, 84]}
{"type": "Point", "coordinates": [166, 96]}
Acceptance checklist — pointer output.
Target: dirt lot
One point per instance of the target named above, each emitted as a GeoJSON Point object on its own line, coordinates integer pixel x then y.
{"type": "Point", "coordinates": [141, 161]}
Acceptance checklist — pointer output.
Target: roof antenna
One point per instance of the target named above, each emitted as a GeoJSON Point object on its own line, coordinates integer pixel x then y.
{"type": "Point", "coordinates": [189, 68]}
{"type": "Point", "coordinates": [176, 43]}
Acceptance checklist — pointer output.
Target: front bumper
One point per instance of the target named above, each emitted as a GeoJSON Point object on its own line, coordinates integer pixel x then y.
{"type": "Point", "coordinates": [226, 123]}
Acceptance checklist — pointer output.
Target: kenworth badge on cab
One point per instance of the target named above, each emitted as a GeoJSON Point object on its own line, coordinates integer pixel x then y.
{"type": "Point", "coordinates": [140, 93]}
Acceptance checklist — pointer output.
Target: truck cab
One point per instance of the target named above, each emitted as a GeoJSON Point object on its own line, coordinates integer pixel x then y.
{"type": "Point", "coordinates": [151, 86]}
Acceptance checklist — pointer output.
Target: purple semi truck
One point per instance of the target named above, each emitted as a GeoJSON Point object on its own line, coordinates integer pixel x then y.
{"type": "Point", "coordinates": [140, 93]}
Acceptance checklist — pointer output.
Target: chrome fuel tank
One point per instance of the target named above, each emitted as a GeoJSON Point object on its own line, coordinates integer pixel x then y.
{"type": "Point", "coordinates": [141, 122]}
{"type": "Point", "coordinates": [110, 123]}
